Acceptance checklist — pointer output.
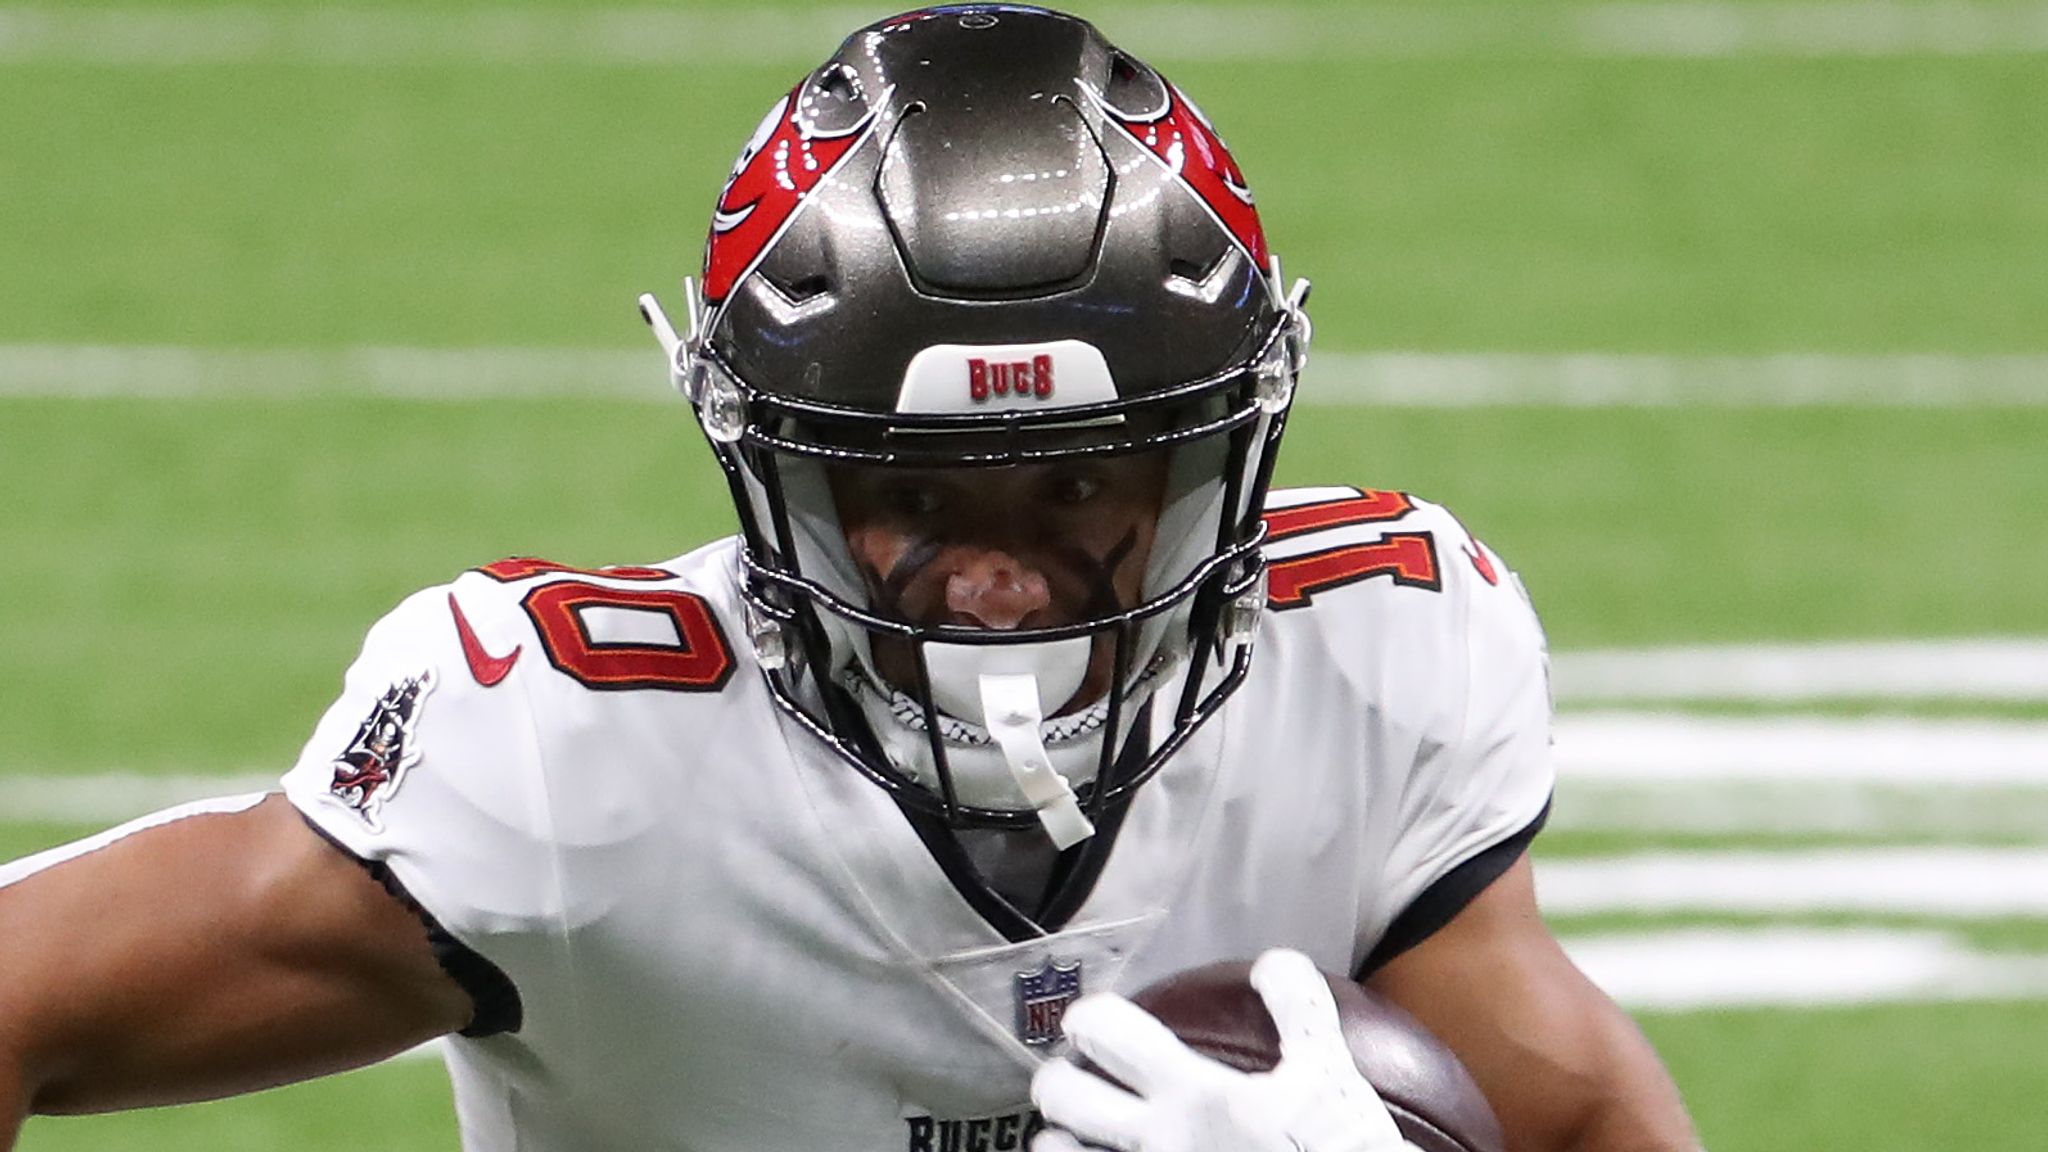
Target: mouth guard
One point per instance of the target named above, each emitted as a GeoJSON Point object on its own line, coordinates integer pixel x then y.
{"type": "Point", "coordinates": [1010, 709]}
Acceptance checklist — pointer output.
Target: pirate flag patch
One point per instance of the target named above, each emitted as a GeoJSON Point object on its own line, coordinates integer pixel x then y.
{"type": "Point", "coordinates": [374, 764]}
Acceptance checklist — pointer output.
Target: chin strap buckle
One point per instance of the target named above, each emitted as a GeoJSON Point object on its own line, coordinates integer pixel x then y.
{"type": "Point", "coordinates": [1011, 713]}
{"type": "Point", "coordinates": [680, 349]}
{"type": "Point", "coordinates": [769, 637]}
{"type": "Point", "coordinates": [1241, 614]}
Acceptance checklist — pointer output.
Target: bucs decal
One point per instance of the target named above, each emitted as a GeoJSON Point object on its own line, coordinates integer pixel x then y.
{"type": "Point", "coordinates": [1042, 1000]}
{"type": "Point", "coordinates": [374, 764]}
{"type": "Point", "coordinates": [1181, 137]}
{"type": "Point", "coordinates": [780, 166]}
{"type": "Point", "coordinates": [1020, 378]}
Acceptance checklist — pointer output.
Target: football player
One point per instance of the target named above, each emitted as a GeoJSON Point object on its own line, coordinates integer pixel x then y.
{"type": "Point", "coordinates": [1017, 685]}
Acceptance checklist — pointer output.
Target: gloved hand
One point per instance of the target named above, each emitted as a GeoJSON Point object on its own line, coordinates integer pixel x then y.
{"type": "Point", "coordinates": [1182, 1101]}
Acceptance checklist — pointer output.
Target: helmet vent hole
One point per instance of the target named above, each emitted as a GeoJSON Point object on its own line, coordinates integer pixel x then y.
{"type": "Point", "coordinates": [1133, 89]}
{"type": "Point", "coordinates": [841, 83]}
{"type": "Point", "coordinates": [809, 288]}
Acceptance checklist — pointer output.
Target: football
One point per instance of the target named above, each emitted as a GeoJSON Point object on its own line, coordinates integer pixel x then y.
{"type": "Point", "coordinates": [1438, 1108]}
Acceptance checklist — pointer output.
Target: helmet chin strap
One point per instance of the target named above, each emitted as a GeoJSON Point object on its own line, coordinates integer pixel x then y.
{"type": "Point", "coordinates": [1013, 686]}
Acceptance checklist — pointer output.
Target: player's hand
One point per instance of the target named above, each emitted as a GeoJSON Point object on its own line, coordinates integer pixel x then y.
{"type": "Point", "coordinates": [1179, 1100]}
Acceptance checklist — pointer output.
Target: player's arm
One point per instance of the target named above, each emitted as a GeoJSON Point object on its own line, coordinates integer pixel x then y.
{"type": "Point", "coordinates": [215, 954]}
{"type": "Point", "coordinates": [13, 1106]}
{"type": "Point", "coordinates": [1562, 1065]}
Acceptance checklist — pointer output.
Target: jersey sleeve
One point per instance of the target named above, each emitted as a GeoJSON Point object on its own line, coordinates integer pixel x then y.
{"type": "Point", "coordinates": [433, 780]}
{"type": "Point", "coordinates": [1480, 790]}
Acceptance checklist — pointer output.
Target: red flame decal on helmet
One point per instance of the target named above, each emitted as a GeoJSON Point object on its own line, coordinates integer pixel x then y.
{"type": "Point", "coordinates": [1183, 140]}
{"type": "Point", "coordinates": [776, 170]}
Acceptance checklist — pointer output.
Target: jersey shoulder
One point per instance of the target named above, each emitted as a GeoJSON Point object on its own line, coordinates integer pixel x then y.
{"type": "Point", "coordinates": [1391, 594]}
{"type": "Point", "coordinates": [475, 705]}
{"type": "Point", "coordinates": [664, 626]}
{"type": "Point", "coordinates": [1323, 541]}
{"type": "Point", "coordinates": [1386, 610]}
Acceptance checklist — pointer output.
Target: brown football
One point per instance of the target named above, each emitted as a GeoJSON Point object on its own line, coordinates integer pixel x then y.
{"type": "Point", "coordinates": [1438, 1108]}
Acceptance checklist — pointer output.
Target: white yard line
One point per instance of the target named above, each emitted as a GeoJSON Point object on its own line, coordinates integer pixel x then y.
{"type": "Point", "coordinates": [15, 871]}
{"type": "Point", "coordinates": [107, 797]}
{"type": "Point", "coordinates": [1992, 668]}
{"type": "Point", "coordinates": [655, 36]}
{"type": "Point", "coordinates": [1799, 967]}
{"type": "Point", "coordinates": [171, 372]}
{"type": "Point", "coordinates": [1942, 881]}
{"type": "Point", "coordinates": [1897, 750]}
{"type": "Point", "coordinates": [1625, 380]}
{"type": "Point", "coordinates": [1934, 811]}
{"type": "Point", "coordinates": [1622, 760]}
{"type": "Point", "coordinates": [1394, 379]}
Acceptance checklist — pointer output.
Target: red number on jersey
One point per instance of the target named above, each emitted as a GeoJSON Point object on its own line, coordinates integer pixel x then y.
{"type": "Point", "coordinates": [1368, 507]}
{"type": "Point", "coordinates": [1408, 557]}
{"type": "Point", "coordinates": [517, 568]}
{"type": "Point", "coordinates": [696, 659]}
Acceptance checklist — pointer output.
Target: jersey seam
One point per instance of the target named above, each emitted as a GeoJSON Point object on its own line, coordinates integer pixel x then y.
{"type": "Point", "coordinates": [545, 815]}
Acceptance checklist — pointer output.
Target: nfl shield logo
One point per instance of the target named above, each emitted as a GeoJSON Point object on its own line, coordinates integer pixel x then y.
{"type": "Point", "coordinates": [1042, 998]}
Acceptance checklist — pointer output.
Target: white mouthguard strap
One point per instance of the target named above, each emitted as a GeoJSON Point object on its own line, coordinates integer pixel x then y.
{"type": "Point", "coordinates": [1009, 705]}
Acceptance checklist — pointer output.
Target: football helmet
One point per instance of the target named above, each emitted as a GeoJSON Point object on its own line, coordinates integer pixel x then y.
{"type": "Point", "coordinates": [982, 237]}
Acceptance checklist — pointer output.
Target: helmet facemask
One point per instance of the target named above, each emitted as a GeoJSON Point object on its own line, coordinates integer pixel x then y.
{"type": "Point", "coordinates": [986, 246]}
{"type": "Point", "coordinates": [1048, 717]}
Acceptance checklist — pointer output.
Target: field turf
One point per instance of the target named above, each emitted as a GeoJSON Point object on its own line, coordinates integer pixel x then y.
{"type": "Point", "coordinates": [184, 579]}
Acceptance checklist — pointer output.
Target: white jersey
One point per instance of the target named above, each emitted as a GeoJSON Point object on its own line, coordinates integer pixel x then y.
{"type": "Point", "coordinates": [725, 939]}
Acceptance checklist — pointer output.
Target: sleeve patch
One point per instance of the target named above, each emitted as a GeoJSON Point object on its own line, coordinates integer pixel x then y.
{"type": "Point", "coordinates": [369, 771]}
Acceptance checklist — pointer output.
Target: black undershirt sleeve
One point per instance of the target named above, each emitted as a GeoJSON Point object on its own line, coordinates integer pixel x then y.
{"type": "Point", "coordinates": [493, 997]}
{"type": "Point", "coordinates": [1443, 900]}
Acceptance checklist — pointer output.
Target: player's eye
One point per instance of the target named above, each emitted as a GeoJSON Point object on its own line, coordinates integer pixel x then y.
{"type": "Point", "coordinates": [1073, 489]}
{"type": "Point", "coordinates": [914, 499]}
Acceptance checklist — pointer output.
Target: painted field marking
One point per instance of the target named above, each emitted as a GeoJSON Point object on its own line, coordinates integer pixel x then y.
{"type": "Point", "coordinates": [1942, 881]}
{"type": "Point", "coordinates": [1628, 761]}
{"type": "Point", "coordinates": [1391, 379]}
{"type": "Point", "coordinates": [1936, 810]}
{"type": "Point", "coordinates": [652, 36]}
{"type": "Point", "coordinates": [1899, 750]}
{"type": "Point", "coordinates": [1699, 968]}
{"type": "Point", "coordinates": [1628, 380]}
{"type": "Point", "coordinates": [106, 797]}
{"type": "Point", "coordinates": [1649, 804]}
{"type": "Point", "coordinates": [1989, 669]}
{"type": "Point", "coordinates": [1594, 749]}
{"type": "Point", "coordinates": [14, 871]}
{"type": "Point", "coordinates": [168, 372]}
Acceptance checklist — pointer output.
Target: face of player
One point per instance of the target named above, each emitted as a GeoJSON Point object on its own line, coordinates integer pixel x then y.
{"type": "Point", "coordinates": [1030, 546]}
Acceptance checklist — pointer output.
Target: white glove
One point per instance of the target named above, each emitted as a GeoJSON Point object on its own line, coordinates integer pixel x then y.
{"type": "Point", "coordinates": [1183, 1101]}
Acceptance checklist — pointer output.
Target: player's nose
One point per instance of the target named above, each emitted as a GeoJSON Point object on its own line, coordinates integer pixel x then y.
{"type": "Point", "coordinates": [993, 589]}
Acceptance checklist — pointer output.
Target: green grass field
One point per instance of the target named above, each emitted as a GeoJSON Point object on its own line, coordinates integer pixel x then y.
{"type": "Point", "coordinates": [184, 579]}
